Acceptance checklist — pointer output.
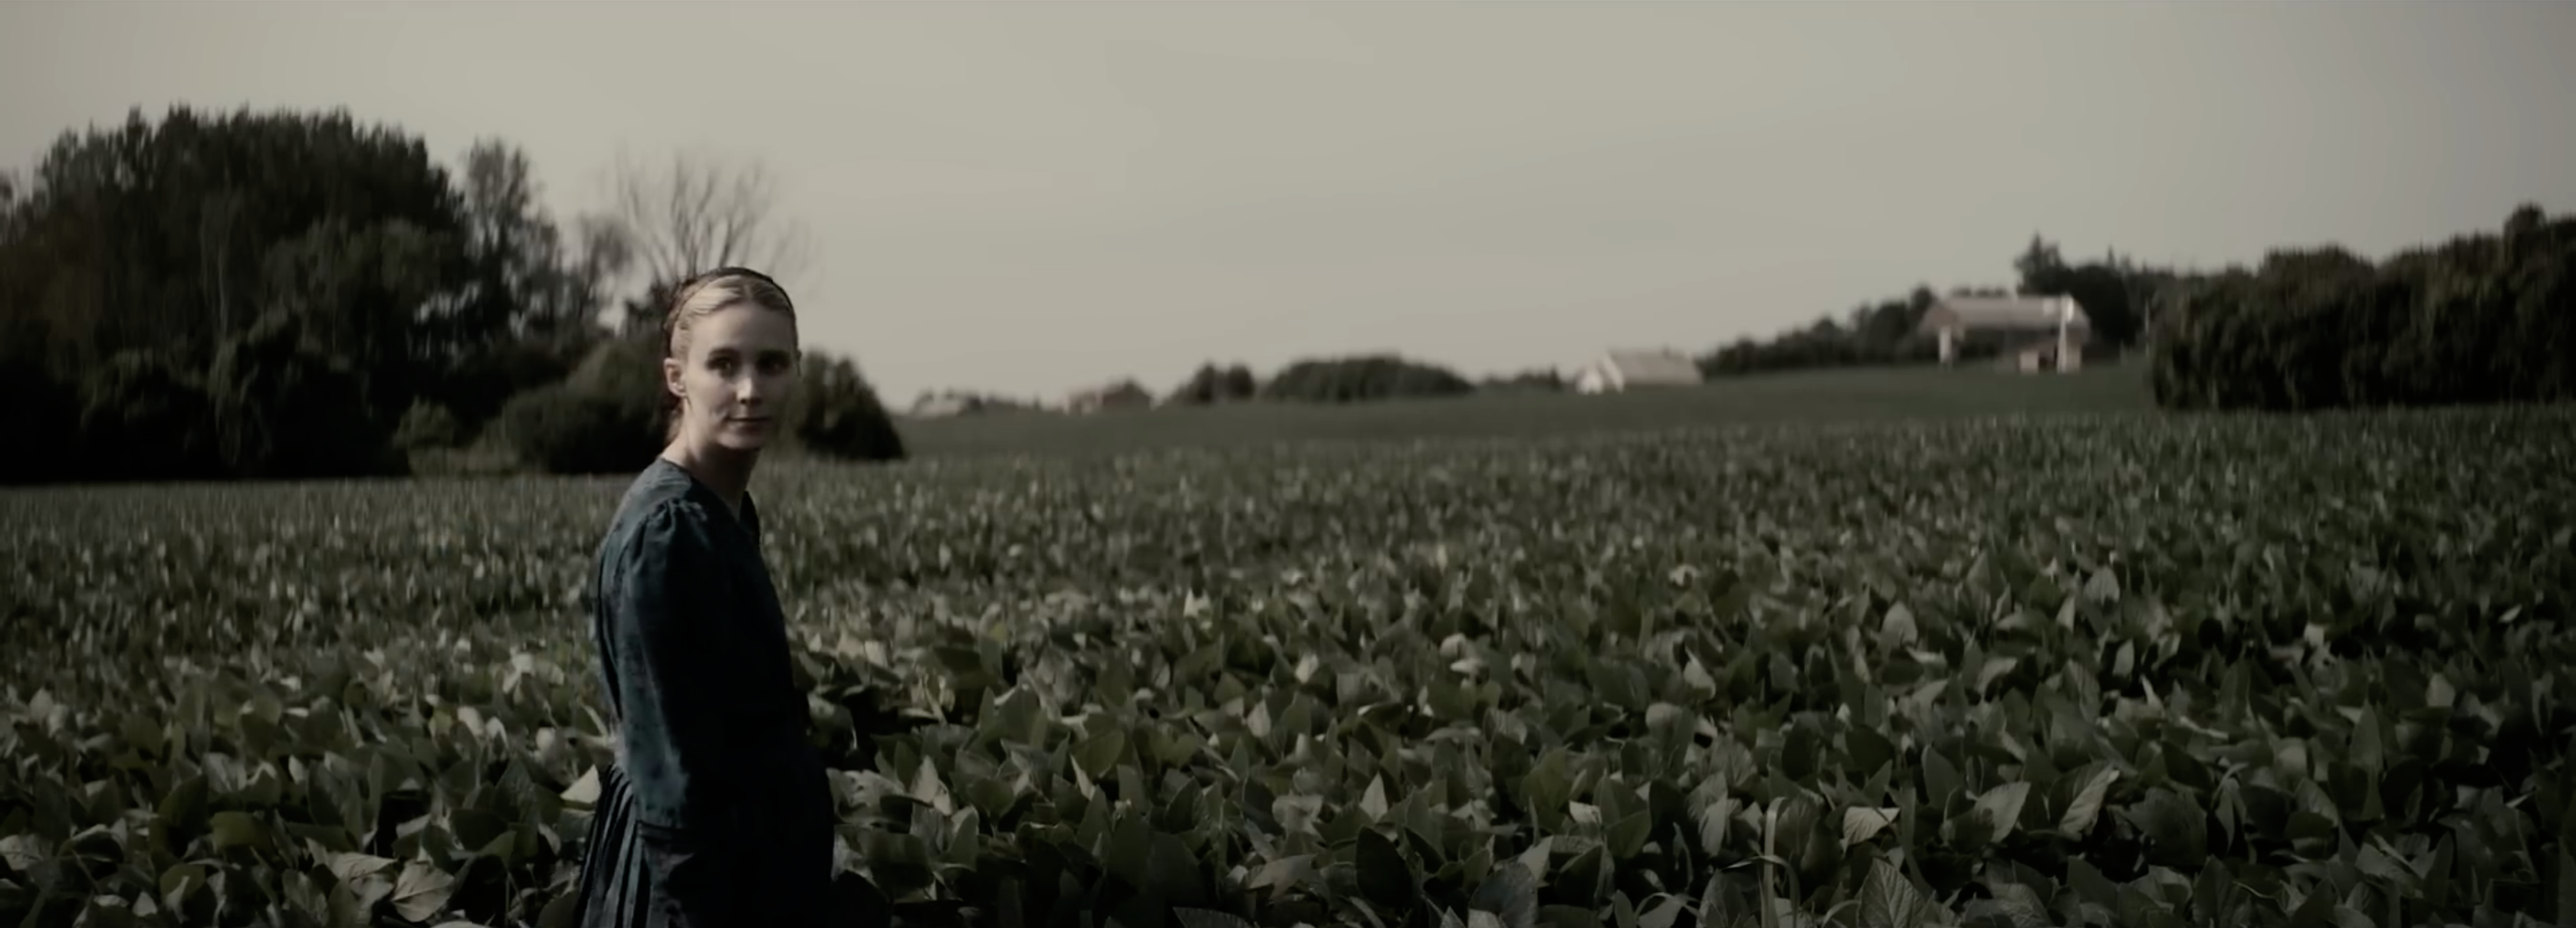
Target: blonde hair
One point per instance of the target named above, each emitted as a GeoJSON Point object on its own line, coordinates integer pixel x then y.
{"type": "Point", "coordinates": [701, 296]}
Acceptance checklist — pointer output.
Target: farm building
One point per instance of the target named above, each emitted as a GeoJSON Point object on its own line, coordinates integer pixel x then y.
{"type": "Point", "coordinates": [2026, 333]}
{"type": "Point", "coordinates": [1124, 394]}
{"type": "Point", "coordinates": [1619, 371]}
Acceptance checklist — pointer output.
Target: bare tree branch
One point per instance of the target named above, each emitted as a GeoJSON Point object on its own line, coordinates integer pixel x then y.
{"type": "Point", "coordinates": [701, 211]}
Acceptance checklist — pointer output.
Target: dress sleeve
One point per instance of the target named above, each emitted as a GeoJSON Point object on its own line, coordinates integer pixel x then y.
{"type": "Point", "coordinates": [667, 604]}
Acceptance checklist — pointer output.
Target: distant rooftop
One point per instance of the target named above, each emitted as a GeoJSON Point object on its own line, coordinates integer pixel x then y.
{"type": "Point", "coordinates": [2012, 312]}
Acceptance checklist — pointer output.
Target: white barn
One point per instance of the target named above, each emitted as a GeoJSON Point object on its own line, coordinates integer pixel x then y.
{"type": "Point", "coordinates": [2033, 333]}
{"type": "Point", "coordinates": [1620, 371]}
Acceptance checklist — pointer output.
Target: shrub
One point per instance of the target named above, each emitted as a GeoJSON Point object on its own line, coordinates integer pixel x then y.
{"type": "Point", "coordinates": [562, 430]}
{"type": "Point", "coordinates": [428, 425]}
{"type": "Point", "coordinates": [625, 369]}
{"type": "Point", "coordinates": [144, 416]}
{"type": "Point", "coordinates": [473, 389]}
{"type": "Point", "coordinates": [1211, 385]}
{"type": "Point", "coordinates": [285, 407]}
{"type": "Point", "coordinates": [837, 413]}
{"type": "Point", "coordinates": [1358, 379]}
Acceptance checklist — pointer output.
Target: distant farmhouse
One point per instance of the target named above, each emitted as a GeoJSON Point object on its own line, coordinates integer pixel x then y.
{"type": "Point", "coordinates": [1619, 371]}
{"type": "Point", "coordinates": [2028, 333]}
{"type": "Point", "coordinates": [1123, 394]}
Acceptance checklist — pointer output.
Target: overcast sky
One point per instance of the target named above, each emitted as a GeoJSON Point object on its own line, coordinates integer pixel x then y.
{"type": "Point", "coordinates": [1029, 196]}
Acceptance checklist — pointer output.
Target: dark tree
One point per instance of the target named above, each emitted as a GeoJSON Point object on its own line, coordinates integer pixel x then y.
{"type": "Point", "coordinates": [1363, 378]}
{"type": "Point", "coordinates": [1210, 385]}
{"type": "Point", "coordinates": [285, 294]}
{"type": "Point", "coordinates": [837, 413]}
{"type": "Point", "coordinates": [2477, 319]}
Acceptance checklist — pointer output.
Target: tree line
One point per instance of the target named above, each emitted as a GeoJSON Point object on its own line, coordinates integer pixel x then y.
{"type": "Point", "coordinates": [287, 295]}
{"type": "Point", "coordinates": [2486, 317]}
{"type": "Point", "coordinates": [2480, 318]}
{"type": "Point", "coordinates": [1354, 378]}
{"type": "Point", "coordinates": [2115, 291]}
{"type": "Point", "coordinates": [290, 295]}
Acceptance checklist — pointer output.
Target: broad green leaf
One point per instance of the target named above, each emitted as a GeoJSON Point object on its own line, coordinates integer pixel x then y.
{"type": "Point", "coordinates": [1536, 859]}
{"type": "Point", "coordinates": [1994, 668]}
{"type": "Point", "coordinates": [2175, 825]}
{"type": "Point", "coordinates": [1628, 835]}
{"type": "Point", "coordinates": [22, 852]}
{"type": "Point", "coordinates": [236, 829]}
{"type": "Point", "coordinates": [1663, 914]}
{"type": "Point", "coordinates": [421, 891]}
{"type": "Point", "coordinates": [1510, 893]}
{"type": "Point", "coordinates": [2014, 904]}
{"type": "Point", "coordinates": [2090, 791]}
{"type": "Point", "coordinates": [1297, 814]}
{"type": "Point", "coordinates": [2316, 911]}
{"type": "Point", "coordinates": [584, 791]}
{"type": "Point", "coordinates": [1862, 824]}
{"type": "Point", "coordinates": [353, 899]}
{"type": "Point", "coordinates": [1373, 803]}
{"type": "Point", "coordinates": [1888, 900]}
{"type": "Point", "coordinates": [182, 812]}
{"type": "Point", "coordinates": [1897, 629]}
{"type": "Point", "coordinates": [353, 866]}
{"type": "Point", "coordinates": [2001, 806]}
{"type": "Point", "coordinates": [1099, 753]}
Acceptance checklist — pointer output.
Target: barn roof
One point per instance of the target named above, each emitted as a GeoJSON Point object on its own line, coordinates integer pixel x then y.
{"type": "Point", "coordinates": [2011, 313]}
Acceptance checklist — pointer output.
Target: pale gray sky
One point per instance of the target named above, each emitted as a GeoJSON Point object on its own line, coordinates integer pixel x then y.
{"type": "Point", "coordinates": [1028, 196]}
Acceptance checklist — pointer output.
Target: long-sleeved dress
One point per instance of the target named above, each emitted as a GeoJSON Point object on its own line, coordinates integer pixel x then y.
{"type": "Point", "coordinates": [718, 811]}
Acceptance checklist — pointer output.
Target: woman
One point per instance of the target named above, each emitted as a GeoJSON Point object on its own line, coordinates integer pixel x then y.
{"type": "Point", "coordinates": [717, 812]}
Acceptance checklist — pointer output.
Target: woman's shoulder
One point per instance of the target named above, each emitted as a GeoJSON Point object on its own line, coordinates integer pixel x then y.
{"type": "Point", "coordinates": [658, 510]}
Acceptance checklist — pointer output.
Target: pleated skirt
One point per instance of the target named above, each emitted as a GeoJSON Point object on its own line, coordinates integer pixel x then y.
{"type": "Point", "coordinates": [617, 874]}
{"type": "Point", "coordinates": [616, 886]}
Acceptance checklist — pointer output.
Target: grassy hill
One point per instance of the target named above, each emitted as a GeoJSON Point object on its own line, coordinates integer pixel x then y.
{"type": "Point", "coordinates": [1812, 396]}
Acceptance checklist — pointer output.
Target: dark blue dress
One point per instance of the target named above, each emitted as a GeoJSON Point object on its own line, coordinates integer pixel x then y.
{"type": "Point", "coordinates": [717, 812]}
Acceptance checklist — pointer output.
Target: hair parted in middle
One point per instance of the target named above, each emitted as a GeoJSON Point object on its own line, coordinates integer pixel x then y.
{"type": "Point", "coordinates": [701, 295]}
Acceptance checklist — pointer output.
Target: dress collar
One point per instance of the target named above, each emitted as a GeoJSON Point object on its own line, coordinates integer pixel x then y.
{"type": "Point", "coordinates": [748, 520]}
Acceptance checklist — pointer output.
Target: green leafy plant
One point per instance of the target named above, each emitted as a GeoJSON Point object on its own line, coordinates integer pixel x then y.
{"type": "Point", "coordinates": [2075, 671]}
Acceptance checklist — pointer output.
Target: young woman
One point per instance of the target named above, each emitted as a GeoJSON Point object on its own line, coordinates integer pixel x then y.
{"type": "Point", "coordinates": [717, 812]}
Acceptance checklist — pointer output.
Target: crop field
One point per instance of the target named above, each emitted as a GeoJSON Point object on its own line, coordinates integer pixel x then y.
{"type": "Point", "coordinates": [2081, 670]}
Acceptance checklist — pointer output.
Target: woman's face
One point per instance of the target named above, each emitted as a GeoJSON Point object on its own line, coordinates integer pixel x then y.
{"type": "Point", "coordinates": [736, 380]}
